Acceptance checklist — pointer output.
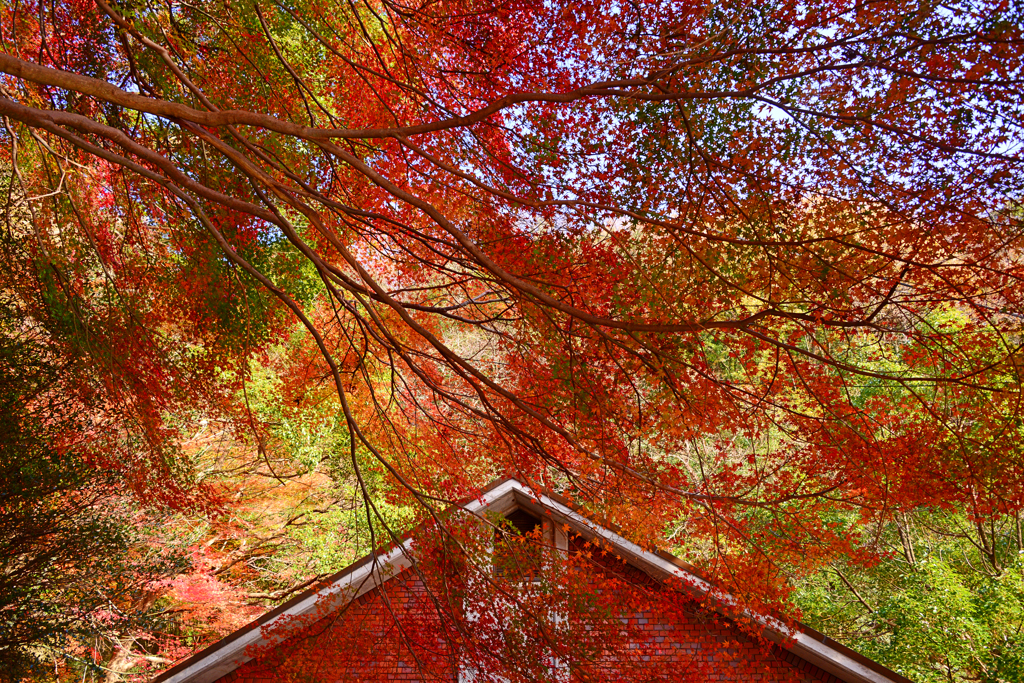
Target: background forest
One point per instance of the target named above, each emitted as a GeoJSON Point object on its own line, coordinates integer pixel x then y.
{"type": "Point", "coordinates": [282, 279]}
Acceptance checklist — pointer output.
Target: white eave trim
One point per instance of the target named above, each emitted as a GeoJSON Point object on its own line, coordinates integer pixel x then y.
{"type": "Point", "coordinates": [806, 647]}
{"type": "Point", "coordinates": [342, 591]}
{"type": "Point", "coordinates": [338, 593]}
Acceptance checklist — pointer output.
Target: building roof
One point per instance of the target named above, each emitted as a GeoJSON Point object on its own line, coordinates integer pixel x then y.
{"type": "Point", "coordinates": [504, 496]}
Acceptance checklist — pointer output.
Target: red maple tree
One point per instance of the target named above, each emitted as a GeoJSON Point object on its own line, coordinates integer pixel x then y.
{"type": "Point", "coordinates": [731, 267]}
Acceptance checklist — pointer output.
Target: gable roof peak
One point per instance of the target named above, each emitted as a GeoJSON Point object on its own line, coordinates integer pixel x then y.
{"type": "Point", "coordinates": [504, 496]}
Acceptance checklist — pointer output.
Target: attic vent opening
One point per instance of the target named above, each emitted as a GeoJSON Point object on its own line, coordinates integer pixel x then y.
{"type": "Point", "coordinates": [518, 546]}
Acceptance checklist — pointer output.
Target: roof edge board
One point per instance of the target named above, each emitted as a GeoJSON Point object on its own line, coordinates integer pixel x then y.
{"type": "Point", "coordinates": [223, 659]}
{"type": "Point", "coordinates": [343, 590]}
{"type": "Point", "coordinates": [803, 645]}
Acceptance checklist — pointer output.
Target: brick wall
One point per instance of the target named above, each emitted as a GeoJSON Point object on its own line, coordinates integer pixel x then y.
{"type": "Point", "coordinates": [366, 642]}
{"type": "Point", "coordinates": [675, 639]}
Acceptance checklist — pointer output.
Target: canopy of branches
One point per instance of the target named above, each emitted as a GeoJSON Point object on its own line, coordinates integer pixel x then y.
{"type": "Point", "coordinates": [742, 278]}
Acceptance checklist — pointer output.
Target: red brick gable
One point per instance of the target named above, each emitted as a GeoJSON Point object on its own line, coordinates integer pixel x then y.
{"type": "Point", "coordinates": [362, 643]}
{"type": "Point", "coordinates": [366, 643]}
{"type": "Point", "coordinates": [375, 621]}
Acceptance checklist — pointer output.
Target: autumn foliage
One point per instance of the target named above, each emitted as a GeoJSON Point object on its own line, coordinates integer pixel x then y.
{"type": "Point", "coordinates": [742, 279]}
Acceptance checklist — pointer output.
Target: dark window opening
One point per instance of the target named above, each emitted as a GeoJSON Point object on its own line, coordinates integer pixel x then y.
{"type": "Point", "coordinates": [518, 546]}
